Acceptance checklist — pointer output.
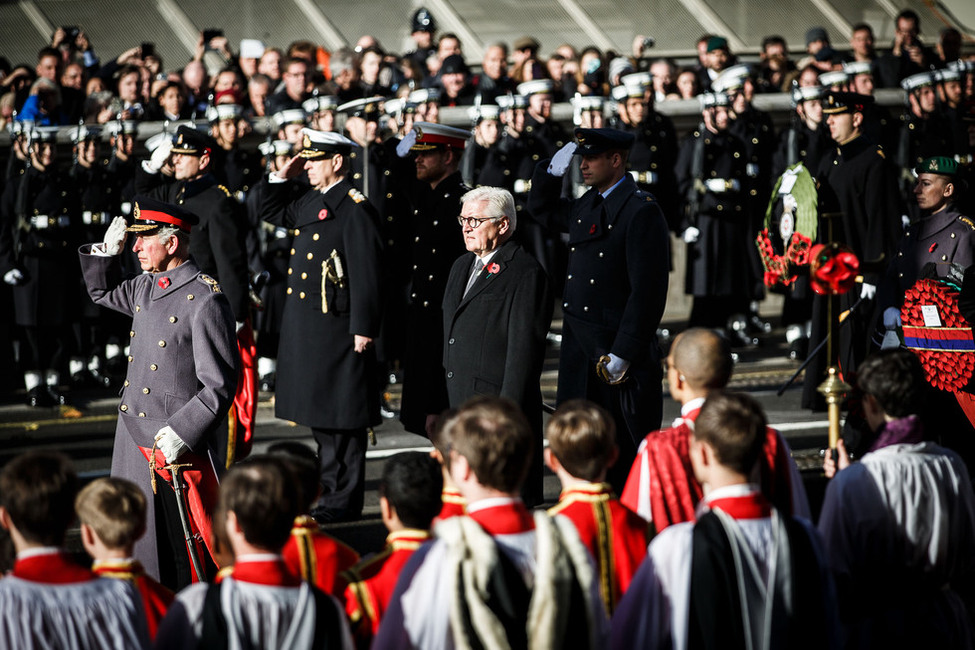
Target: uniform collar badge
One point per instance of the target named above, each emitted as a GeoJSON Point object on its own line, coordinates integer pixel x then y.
{"type": "Point", "coordinates": [164, 282]}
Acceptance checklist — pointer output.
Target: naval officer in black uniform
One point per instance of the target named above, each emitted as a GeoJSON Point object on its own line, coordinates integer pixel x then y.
{"type": "Point", "coordinates": [615, 286]}
{"type": "Point", "coordinates": [181, 173]}
{"type": "Point", "coordinates": [326, 377]}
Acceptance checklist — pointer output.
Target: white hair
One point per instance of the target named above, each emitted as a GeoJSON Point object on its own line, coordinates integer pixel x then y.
{"type": "Point", "coordinates": [165, 233]}
{"type": "Point", "coordinates": [498, 202]}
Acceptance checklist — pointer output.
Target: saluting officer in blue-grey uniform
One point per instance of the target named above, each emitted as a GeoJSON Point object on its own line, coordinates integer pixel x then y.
{"type": "Point", "coordinates": [181, 380]}
{"type": "Point", "coordinates": [615, 286]}
{"type": "Point", "coordinates": [327, 374]}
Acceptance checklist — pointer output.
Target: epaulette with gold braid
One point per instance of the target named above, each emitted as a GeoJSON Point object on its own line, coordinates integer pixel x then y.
{"type": "Point", "coordinates": [214, 285]}
{"type": "Point", "coordinates": [968, 222]}
{"type": "Point", "coordinates": [225, 190]}
{"type": "Point", "coordinates": [356, 195]}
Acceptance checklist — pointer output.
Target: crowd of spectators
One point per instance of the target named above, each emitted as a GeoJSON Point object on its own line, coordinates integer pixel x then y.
{"type": "Point", "coordinates": [70, 83]}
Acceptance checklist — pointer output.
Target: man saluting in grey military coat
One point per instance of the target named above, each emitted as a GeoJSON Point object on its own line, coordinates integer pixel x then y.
{"type": "Point", "coordinates": [181, 380]}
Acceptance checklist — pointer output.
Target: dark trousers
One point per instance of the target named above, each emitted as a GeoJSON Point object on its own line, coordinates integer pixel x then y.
{"type": "Point", "coordinates": [342, 462]}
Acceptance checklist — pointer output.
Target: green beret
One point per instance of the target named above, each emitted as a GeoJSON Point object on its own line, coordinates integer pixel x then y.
{"type": "Point", "coordinates": [938, 165]}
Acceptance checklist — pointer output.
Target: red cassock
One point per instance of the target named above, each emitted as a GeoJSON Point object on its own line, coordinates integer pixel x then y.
{"type": "Point", "coordinates": [318, 557]}
{"type": "Point", "coordinates": [453, 503]}
{"type": "Point", "coordinates": [661, 487]}
{"type": "Point", "coordinates": [51, 569]}
{"type": "Point", "coordinates": [615, 536]}
{"type": "Point", "coordinates": [372, 581]}
{"type": "Point", "coordinates": [156, 598]}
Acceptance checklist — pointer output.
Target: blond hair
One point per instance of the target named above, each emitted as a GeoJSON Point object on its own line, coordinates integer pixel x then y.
{"type": "Point", "coordinates": [115, 509]}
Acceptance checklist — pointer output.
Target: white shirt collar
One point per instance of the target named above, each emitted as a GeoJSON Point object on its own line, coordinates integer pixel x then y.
{"type": "Point", "coordinates": [491, 502]}
{"type": "Point", "coordinates": [487, 256]}
{"type": "Point", "coordinates": [39, 551]}
{"type": "Point", "coordinates": [731, 491]}
{"type": "Point", "coordinates": [691, 406]}
{"type": "Point", "coordinates": [257, 557]}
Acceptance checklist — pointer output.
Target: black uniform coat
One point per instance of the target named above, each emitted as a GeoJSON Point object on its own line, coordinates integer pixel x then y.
{"type": "Point", "coordinates": [859, 186]}
{"type": "Point", "coordinates": [495, 335]}
{"type": "Point", "coordinates": [437, 241]}
{"type": "Point", "coordinates": [717, 263]}
{"type": "Point", "coordinates": [655, 152]}
{"type": "Point", "coordinates": [48, 295]}
{"type": "Point", "coordinates": [218, 241]}
{"type": "Point", "coordinates": [614, 297]}
{"type": "Point", "coordinates": [322, 382]}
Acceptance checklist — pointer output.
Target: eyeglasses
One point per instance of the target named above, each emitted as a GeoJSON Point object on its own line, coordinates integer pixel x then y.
{"type": "Point", "coordinates": [475, 222]}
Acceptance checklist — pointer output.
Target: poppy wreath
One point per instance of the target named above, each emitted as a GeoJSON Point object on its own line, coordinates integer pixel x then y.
{"type": "Point", "coordinates": [779, 269]}
{"type": "Point", "coordinates": [833, 268]}
{"type": "Point", "coordinates": [946, 352]}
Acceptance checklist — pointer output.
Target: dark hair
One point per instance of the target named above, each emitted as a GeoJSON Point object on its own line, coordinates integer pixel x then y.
{"type": "Point", "coordinates": [734, 425]}
{"type": "Point", "coordinates": [895, 379]}
{"type": "Point", "coordinates": [48, 51]}
{"type": "Point", "coordinates": [909, 14]}
{"type": "Point", "coordinates": [774, 39]}
{"type": "Point", "coordinates": [860, 27]}
{"type": "Point", "coordinates": [582, 435]}
{"type": "Point", "coordinates": [495, 438]}
{"type": "Point", "coordinates": [412, 483]}
{"type": "Point", "coordinates": [263, 495]}
{"type": "Point", "coordinates": [38, 490]}
{"type": "Point", "coordinates": [303, 464]}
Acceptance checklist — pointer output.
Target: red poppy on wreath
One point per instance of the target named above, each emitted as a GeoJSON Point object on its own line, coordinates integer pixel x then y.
{"type": "Point", "coordinates": [493, 268]}
{"type": "Point", "coordinates": [164, 283]}
{"type": "Point", "coordinates": [945, 345]}
{"type": "Point", "coordinates": [833, 268]}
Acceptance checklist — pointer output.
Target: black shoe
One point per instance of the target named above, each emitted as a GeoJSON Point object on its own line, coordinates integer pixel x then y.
{"type": "Point", "coordinates": [100, 380]}
{"type": "Point", "coordinates": [798, 349]}
{"type": "Point", "coordinates": [386, 409]}
{"type": "Point", "coordinates": [758, 326]}
{"type": "Point", "coordinates": [56, 396]}
{"type": "Point", "coordinates": [40, 397]}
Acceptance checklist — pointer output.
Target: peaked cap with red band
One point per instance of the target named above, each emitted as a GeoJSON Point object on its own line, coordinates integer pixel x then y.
{"type": "Point", "coordinates": [430, 136]}
{"type": "Point", "coordinates": [150, 215]}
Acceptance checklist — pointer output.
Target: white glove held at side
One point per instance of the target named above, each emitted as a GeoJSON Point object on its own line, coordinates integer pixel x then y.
{"type": "Point", "coordinates": [115, 236]}
{"type": "Point", "coordinates": [691, 235]}
{"type": "Point", "coordinates": [616, 366]}
{"type": "Point", "coordinates": [561, 160]}
{"type": "Point", "coordinates": [892, 318]}
{"type": "Point", "coordinates": [170, 444]}
{"type": "Point", "coordinates": [868, 291]}
{"type": "Point", "coordinates": [13, 277]}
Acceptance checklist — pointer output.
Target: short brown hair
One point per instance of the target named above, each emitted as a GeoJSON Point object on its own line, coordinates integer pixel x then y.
{"type": "Point", "coordinates": [38, 489]}
{"type": "Point", "coordinates": [734, 425]}
{"type": "Point", "coordinates": [493, 435]}
{"type": "Point", "coordinates": [115, 509]}
{"type": "Point", "coordinates": [265, 498]}
{"type": "Point", "coordinates": [582, 435]}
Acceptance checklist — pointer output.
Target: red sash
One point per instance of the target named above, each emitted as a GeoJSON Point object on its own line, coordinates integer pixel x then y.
{"type": "Point", "coordinates": [201, 491]}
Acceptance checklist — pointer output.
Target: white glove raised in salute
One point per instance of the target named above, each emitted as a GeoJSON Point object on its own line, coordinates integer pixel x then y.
{"type": "Point", "coordinates": [690, 235]}
{"type": "Point", "coordinates": [115, 236]}
{"type": "Point", "coordinates": [561, 160]}
{"type": "Point", "coordinates": [159, 156]}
